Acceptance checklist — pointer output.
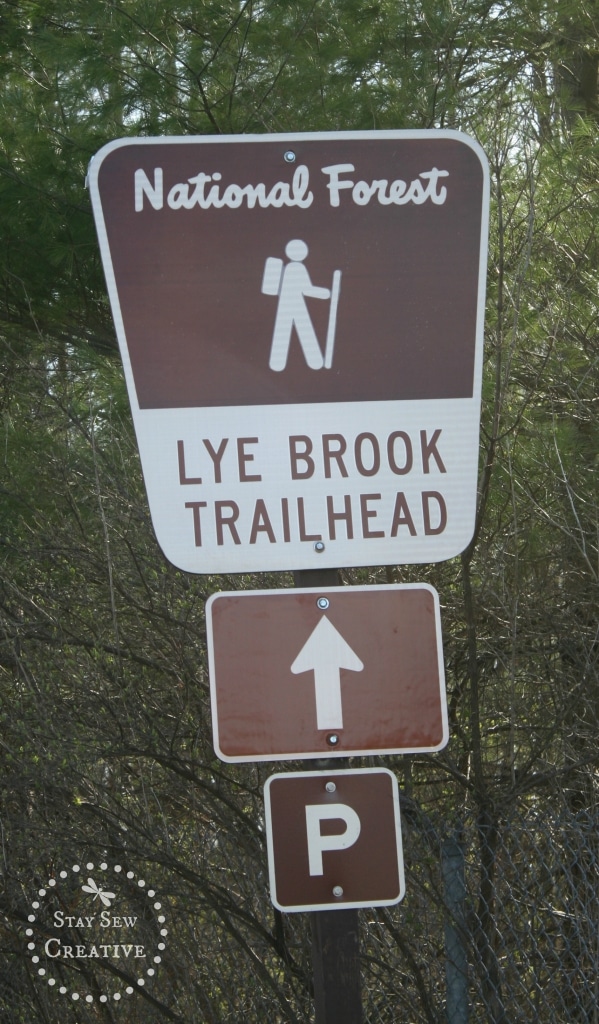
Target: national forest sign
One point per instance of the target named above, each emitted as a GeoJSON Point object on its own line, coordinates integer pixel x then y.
{"type": "Point", "coordinates": [300, 319]}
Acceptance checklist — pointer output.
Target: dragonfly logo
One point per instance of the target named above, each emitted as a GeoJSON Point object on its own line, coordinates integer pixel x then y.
{"type": "Point", "coordinates": [92, 887]}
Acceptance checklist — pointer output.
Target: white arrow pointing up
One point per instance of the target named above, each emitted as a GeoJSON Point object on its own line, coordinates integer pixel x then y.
{"type": "Point", "coordinates": [325, 653]}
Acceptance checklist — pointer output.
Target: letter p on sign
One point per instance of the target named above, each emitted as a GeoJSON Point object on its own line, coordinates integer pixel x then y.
{"type": "Point", "coordinates": [315, 813]}
{"type": "Point", "coordinates": [334, 839]}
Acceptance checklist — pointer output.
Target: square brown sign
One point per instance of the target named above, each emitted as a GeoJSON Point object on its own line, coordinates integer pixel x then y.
{"type": "Point", "coordinates": [334, 839]}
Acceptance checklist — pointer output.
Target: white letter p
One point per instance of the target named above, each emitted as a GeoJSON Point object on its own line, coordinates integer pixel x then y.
{"type": "Point", "coordinates": [317, 843]}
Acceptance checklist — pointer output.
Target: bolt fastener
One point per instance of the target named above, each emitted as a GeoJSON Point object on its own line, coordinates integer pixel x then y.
{"type": "Point", "coordinates": [319, 546]}
{"type": "Point", "coordinates": [332, 739]}
{"type": "Point", "coordinates": [337, 890]}
{"type": "Point", "coordinates": [330, 787]}
{"type": "Point", "coordinates": [289, 156]}
{"type": "Point", "coordinates": [323, 602]}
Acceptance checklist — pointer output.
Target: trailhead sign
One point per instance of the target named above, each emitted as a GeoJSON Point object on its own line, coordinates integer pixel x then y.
{"type": "Point", "coordinates": [317, 673]}
{"type": "Point", "coordinates": [300, 319]}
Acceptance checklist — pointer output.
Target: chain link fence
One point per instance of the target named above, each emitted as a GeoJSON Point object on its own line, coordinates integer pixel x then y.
{"type": "Point", "coordinates": [500, 924]}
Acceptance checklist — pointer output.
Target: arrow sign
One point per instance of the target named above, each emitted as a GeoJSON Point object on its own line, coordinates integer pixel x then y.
{"type": "Point", "coordinates": [325, 653]}
{"type": "Point", "coordinates": [259, 640]}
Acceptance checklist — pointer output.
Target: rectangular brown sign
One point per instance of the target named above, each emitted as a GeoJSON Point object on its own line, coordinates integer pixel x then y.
{"type": "Point", "coordinates": [191, 227]}
{"type": "Point", "coordinates": [307, 673]}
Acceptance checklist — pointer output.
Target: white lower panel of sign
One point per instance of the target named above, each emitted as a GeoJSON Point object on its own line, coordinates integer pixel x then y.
{"type": "Point", "coordinates": [277, 487]}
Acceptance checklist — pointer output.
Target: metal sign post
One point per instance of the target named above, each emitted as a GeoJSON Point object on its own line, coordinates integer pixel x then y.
{"type": "Point", "coordinates": [336, 967]}
{"type": "Point", "coordinates": [300, 319]}
{"type": "Point", "coordinates": [335, 933]}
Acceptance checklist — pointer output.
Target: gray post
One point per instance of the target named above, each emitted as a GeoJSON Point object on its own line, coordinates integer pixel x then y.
{"type": "Point", "coordinates": [456, 961]}
{"type": "Point", "coordinates": [336, 967]}
{"type": "Point", "coordinates": [335, 935]}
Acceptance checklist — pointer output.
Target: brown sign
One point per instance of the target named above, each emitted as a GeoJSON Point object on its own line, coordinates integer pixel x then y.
{"type": "Point", "coordinates": [190, 228]}
{"type": "Point", "coordinates": [308, 673]}
{"type": "Point", "coordinates": [334, 839]}
{"type": "Point", "coordinates": [301, 324]}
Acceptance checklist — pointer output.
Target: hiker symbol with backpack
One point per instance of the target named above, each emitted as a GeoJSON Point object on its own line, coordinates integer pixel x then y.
{"type": "Point", "coordinates": [292, 284]}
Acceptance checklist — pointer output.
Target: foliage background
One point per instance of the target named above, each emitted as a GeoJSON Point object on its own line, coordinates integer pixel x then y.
{"type": "Point", "coordinates": [105, 734]}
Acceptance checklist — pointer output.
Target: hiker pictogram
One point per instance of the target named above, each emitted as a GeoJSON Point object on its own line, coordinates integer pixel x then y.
{"type": "Point", "coordinates": [292, 284]}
